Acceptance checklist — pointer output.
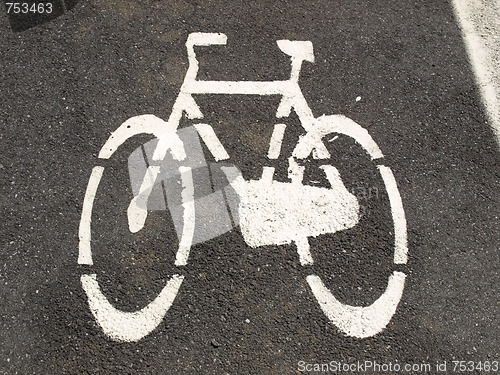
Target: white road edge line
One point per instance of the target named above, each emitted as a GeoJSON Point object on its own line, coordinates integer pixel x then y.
{"type": "Point", "coordinates": [483, 63]}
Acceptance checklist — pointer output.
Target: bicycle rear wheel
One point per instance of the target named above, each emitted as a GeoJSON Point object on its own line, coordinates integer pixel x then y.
{"type": "Point", "coordinates": [358, 321]}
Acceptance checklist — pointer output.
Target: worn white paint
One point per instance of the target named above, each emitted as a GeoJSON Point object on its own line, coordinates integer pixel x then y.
{"type": "Point", "coordinates": [129, 326]}
{"type": "Point", "coordinates": [276, 140]}
{"type": "Point", "coordinates": [479, 21]}
{"type": "Point", "coordinates": [212, 141]}
{"type": "Point", "coordinates": [137, 211]}
{"type": "Point", "coordinates": [189, 216]}
{"type": "Point", "coordinates": [85, 252]}
{"type": "Point", "coordinates": [398, 216]}
{"type": "Point", "coordinates": [270, 212]}
{"type": "Point", "coordinates": [360, 321]}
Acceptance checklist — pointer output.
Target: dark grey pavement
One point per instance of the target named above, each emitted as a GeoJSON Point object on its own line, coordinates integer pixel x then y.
{"type": "Point", "coordinates": [68, 83]}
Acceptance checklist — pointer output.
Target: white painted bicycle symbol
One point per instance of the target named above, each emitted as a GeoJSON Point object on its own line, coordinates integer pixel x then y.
{"type": "Point", "coordinates": [270, 212]}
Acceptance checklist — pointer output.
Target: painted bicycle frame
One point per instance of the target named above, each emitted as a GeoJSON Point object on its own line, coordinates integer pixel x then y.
{"type": "Point", "coordinates": [354, 321]}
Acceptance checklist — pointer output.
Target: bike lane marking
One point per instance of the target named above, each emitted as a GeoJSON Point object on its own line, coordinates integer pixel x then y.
{"type": "Point", "coordinates": [271, 212]}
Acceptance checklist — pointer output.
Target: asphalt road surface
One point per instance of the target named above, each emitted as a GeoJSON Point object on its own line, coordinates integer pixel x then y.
{"type": "Point", "coordinates": [399, 69]}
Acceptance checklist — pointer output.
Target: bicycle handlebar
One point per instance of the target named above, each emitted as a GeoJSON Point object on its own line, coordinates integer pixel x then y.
{"type": "Point", "coordinates": [298, 50]}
